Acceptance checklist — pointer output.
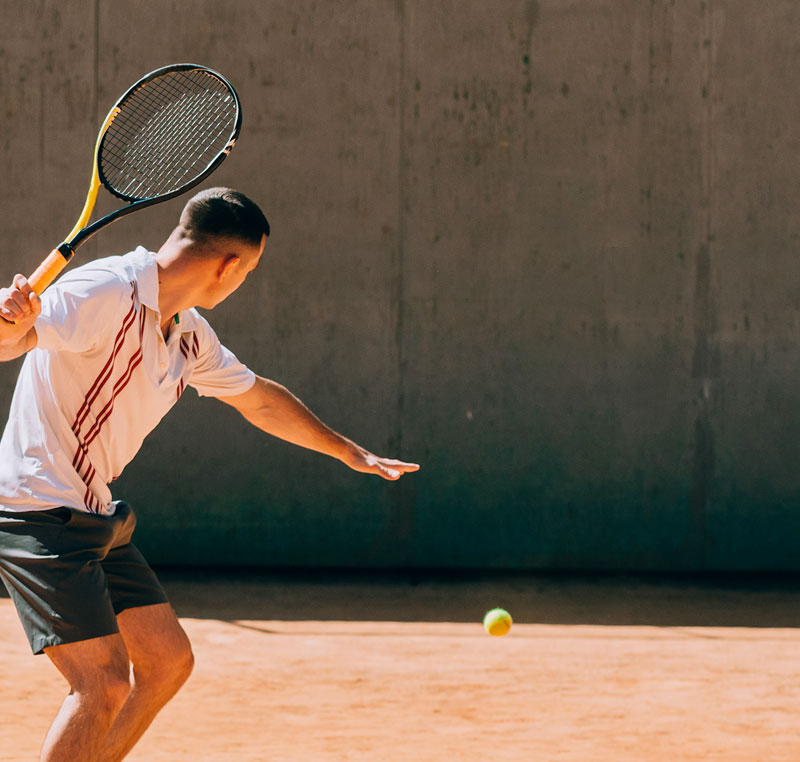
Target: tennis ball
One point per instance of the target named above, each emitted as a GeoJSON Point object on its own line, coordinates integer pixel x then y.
{"type": "Point", "coordinates": [497, 622]}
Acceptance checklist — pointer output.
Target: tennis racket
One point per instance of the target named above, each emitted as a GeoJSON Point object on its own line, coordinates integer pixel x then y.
{"type": "Point", "coordinates": [163, 136]}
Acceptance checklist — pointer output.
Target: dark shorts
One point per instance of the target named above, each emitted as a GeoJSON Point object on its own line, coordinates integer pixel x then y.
{"type": "Point", "coordinates": [70, 573]}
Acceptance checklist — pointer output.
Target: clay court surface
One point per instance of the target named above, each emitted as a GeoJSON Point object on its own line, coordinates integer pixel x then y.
{"type": "Point", "coordinates": [317, 668]}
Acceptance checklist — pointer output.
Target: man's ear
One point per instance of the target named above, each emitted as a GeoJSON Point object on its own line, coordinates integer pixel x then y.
{"type": "Point", "coordinates": [227, 266]}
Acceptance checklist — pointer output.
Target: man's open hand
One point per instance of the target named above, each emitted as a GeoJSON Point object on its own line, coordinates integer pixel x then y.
{"type": "Point", "coordinates": [367, 463]}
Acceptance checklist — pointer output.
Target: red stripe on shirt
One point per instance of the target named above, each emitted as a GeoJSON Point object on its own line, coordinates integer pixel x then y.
{"type": "Point", "coordinates": [97, 387]}
{"type": "Point", "coordinates": [106, 371]}
{"type": "Point", "coordinates": [86, 478]}
{"type": "Point", "coordinates": [121, 383]}
{"type": "Point", "coordinates": [105, 413]}
{"type": "Point", "coordinates": [82, 453]}
{"type": "Point", "coordinates": [90, 501]}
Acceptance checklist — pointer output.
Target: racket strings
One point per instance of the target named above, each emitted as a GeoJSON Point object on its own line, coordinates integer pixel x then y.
{"type": "Point", "coordinates": [158, 154]}
{"type": "Point", "coordinates": [176, 128]}
{"type": "Point", "coordinates": [163, 121]}
{"type": "Point", "coordinates": [167, 133]}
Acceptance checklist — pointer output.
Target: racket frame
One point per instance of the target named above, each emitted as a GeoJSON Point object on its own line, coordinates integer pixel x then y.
{"type": "Point", "coordinates": [58, 258]}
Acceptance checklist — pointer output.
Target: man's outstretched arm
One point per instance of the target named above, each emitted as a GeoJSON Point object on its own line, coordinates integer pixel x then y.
{"type": "Point", "coordinates": [275, 410]}
{"type": "Point", "coordinates": [19, 308]}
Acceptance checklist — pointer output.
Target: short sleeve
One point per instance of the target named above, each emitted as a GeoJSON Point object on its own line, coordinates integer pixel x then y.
{"type": "Point", "coordinates": [77, 309]}
{"type": "Point", "coordinates": [217, 372]}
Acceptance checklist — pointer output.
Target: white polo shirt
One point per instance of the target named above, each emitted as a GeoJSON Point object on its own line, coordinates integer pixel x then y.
{"type": "Point", "coordinates": [99, 381]}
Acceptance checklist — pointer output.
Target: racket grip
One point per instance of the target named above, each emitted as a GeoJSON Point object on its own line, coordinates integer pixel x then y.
{"type": "Point", "coordinates": [48, 271]}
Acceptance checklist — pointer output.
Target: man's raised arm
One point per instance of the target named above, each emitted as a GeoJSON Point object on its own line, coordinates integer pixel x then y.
{"type": "Point", "coordinates": [19, 308]}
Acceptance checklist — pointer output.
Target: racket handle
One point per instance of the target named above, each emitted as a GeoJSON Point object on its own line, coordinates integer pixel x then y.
{"type": "Point", "coordinates": [48, 271]}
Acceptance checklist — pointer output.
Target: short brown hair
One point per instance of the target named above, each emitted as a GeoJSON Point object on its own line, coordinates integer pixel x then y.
{"type": "Point", "coordinates": [224, 213]}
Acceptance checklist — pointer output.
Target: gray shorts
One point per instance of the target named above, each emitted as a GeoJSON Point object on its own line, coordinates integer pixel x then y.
{"type": "Point", "coordinates": [70, 573]}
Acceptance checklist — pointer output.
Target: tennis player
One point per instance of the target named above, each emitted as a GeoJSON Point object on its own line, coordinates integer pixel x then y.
{"type": "Point", "coordinates": [110, 349]}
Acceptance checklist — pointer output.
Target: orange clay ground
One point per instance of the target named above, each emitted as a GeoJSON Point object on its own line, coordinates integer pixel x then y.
{"type": "Point", "coordinates": [318, 668]}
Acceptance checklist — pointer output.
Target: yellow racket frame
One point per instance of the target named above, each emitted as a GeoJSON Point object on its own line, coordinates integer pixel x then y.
{"type": "Point", "coordinates": [58, 258]}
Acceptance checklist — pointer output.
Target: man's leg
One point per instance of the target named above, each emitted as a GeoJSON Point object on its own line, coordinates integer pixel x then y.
{"type": "Point", "coordinates": [98, 674]}
{"type": "Point", "coordinates": [161, 658]}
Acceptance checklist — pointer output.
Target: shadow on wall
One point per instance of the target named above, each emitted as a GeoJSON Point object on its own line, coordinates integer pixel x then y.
{"type": "Point", "coordinates": [621, 600]}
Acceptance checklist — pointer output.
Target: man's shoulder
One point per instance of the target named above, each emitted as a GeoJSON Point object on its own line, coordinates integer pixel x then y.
{"type": "Point", "coordinates": [119, 273]}
{"type": "Point", "coordinates": [192, 320]}
{"type": "Point", "coordinates": [87, 302]}
{"type": "Point", "coordinates": [108, 284]}
{"type": "Point", "coordinates": [193, 317]}
{"type": "Point", "coordinates": [125, 267]}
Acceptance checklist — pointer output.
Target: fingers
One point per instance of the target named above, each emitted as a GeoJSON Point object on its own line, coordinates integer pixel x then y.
{"type": "Point", "coordinates": [19, 302]}
{"type": "Point", "coordinates": [389, 473]}
{"type": "Point", "coordinates": [364, 461]}
{"type": "Point", "coordinates": [394, 469]}
{"type": "Point", "coordinates": [401, 465]}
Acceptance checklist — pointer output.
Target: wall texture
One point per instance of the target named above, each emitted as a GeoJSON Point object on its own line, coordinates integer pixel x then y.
{"type": "Point", "coordinates": [547, 248]}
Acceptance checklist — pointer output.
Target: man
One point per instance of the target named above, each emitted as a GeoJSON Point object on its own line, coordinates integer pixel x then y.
{"type": "Point", "coordinates": [111, 347]}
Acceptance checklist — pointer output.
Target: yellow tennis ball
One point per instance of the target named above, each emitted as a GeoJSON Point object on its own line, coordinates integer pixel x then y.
{"type": "Point", "coordinates": [497, 622]}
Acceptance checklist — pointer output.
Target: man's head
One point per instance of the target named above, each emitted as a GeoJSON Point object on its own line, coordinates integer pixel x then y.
{"type": "Point", "coordinates": [220, 236]}
{"type": "Point", "coordinates": [222, 213]}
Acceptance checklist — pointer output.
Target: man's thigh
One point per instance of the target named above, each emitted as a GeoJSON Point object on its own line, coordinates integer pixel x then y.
{"type": "Point", "coordinates": [91, 663]}
{"type": "Point", "coordinates": [131, 581]}
{"type": "Point", "coordinates": [70, 573]}
{"type": "Point", "coordinates": [51, 569]}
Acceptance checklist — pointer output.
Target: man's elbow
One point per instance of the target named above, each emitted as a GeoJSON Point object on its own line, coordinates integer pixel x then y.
{"type": "Point", "coordinates": [10, 353]}
{"type": "Point", "coordinates": [11, 350]}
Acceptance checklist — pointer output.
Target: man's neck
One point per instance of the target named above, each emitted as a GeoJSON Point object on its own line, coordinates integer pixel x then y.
{"type": "Point", "coordinates": [177, 280]}
{"type": "Point", "coordinates": [167, 323]}
{"type": "Point", "coordinates": [169, 297]}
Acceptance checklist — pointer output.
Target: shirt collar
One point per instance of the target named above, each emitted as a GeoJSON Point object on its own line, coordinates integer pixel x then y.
{"type": "Point", "coordinates": [144, 263]}
{"type": "Point", "coordinates": [147, 286]}
{"type": "Point", "coordinates": [186, 321]}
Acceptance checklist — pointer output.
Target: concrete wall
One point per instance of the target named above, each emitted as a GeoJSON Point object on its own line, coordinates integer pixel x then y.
{"type": "Point", "coordinates": [548, 249]}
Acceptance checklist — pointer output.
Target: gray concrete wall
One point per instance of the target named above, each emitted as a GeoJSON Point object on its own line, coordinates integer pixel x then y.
{"type": "Point", "coordinates": [548, 249]}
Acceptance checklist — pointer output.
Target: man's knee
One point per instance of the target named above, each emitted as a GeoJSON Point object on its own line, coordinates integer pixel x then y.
{"type": "Point", "coordinates": [182, 664]}
{"type": "Point", "coordinates": [169, 671]}
{"type": "Point", "coordinates": [103, 690]}
{"type": "Point", "coordinates": [98, 671]}
{"type": "Point", "coordinates": [111, 689]}
{"type": "Point", "coordinates": [159, 648]}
